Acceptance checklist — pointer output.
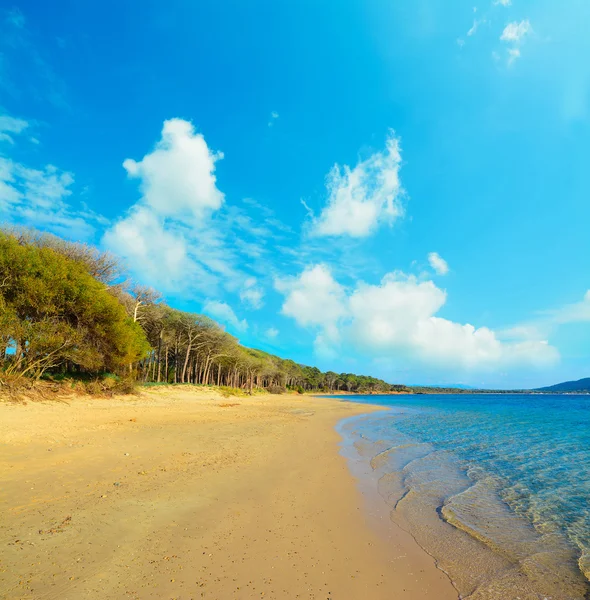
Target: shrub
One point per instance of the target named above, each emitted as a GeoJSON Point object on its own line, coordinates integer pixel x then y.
{"type": "Point", "coordinates": [125, 386]}
{"type": "Point", "coordinates": [276, 389]}
{"type": "Point", "coordinates": [53, 313]}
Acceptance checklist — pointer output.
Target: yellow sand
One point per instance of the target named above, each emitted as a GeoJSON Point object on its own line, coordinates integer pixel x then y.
{"type": "Point", "coordinates": [184, 494]}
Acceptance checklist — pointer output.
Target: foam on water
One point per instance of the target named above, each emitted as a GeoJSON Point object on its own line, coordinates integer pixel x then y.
{"type": "Point", "coordinates": [496, 488]}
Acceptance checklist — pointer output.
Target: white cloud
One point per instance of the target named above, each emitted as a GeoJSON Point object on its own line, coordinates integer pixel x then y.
{"type": "Point", "coordinates": [502, 2]}
{"type": "Point", "coordinates": [475, 27]}
{"type": "Point", "coordinates": [572, 313]}
{"type": "Point", "coordinates": [223, 312]}
{"type": "Point", "coordinates": [314, 299]}
{"type": "Point", "coordinates": [158, 249]}
{"type": "Point", "coordinates": [360, 198]}
{"type": "Point", "coordinates": [251, 294]}
{"type": "Point", "coordinates": [548, 321]}
{"type": "Point", "coordinates": [516, 32]}
{"type": "Point", "coordinates": [167, 235]}
{"type": "Point", "coordinates": [177, 177]}
{"type": "Point", "coordinates": [308, 209]}
{"type": "Point", "coordinates": [524, 331]}
{"type": "Point", "coordinates": [399, 317]}
{"type": "Point", "coordinates": [37, 197]}
{"type": "Point", "coordinates": [169, 255]}
{"type": "Point", "coordinates": [10, 125]}
{"type": "Point", "coordinates": [513, 54]}
{"type": "Point", "coordinates": [271, 333]}
{"type": "Point", "coordinates": [180, 236]}
{"type": "Point", "coordinates": [438, 263]}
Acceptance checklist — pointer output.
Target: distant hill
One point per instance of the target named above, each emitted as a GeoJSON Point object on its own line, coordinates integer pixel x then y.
{"type": "Point", "coordinates": [582, 385]}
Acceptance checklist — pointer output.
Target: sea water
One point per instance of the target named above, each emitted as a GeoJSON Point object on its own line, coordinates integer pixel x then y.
{"type": "Point", "coordinates": [496, 487]}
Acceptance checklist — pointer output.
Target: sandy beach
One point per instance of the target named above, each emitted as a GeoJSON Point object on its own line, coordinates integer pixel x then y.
{"type": "Point", "coordinates": [179, 493]}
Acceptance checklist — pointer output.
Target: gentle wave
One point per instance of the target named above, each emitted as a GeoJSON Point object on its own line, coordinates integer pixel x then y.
{"type": "Point", "coordinates": [499, 502]}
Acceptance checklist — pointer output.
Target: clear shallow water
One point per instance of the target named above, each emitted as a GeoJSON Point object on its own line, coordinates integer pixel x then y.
{"type": "Point", "coordinates": [495, 487]}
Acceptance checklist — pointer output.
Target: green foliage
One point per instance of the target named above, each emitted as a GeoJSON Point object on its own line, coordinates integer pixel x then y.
{"type": "Point", "coordinates": [56, 315]}
{"type": "Point", "coordinates": [63, 312]}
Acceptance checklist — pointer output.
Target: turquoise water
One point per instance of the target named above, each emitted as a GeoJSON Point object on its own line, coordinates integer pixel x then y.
{"type": "Point", "coordinates": [495, 487]}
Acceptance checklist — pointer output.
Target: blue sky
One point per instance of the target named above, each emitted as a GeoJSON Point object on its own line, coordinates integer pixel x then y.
{"type": "Point", "coordinates": [392, 188]}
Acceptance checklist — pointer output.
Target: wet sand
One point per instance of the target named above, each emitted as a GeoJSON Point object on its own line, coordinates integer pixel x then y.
{"type": "Point", "coordinates": [180, 493]}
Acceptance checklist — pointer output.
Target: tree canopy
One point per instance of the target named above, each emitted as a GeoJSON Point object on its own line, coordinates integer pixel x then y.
{"type": "Point", "coordinates": [56, 315]}
{"type": "Point", "coordinates": [66, 308]}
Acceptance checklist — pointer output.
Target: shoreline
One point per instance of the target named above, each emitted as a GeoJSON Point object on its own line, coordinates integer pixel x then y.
{"type": "Point", "coordinates": [458, 515]}
{"type": "Point", "coordinates": [189, 494]}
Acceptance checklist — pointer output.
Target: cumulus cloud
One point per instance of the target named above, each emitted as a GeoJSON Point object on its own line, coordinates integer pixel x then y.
{"type": "Point", "coordinates": [314, 299]}
{"type": "Point", "coordinates": [156, 248]}
{"type": "Point", "coordinates": [438, 263]}
{"type": "Point", "coordinates": [399, 317]}
{"type": "Point", "coordinates": [223, 312]}
{"type": "Point", "coordinates": [178, 176]}
{"type": "Point", "coordinates": [502, 2]}
{"type": "Point", "coordinates": [362, 197]}
{"type": "Point", "coordinates": [251, 293]}
{"type": "Point", "coordinates": [400, 314]}
{"type": "Point", "coordinates": [180, 235]}
{"type": "Point", "coordinates": [166, 236]}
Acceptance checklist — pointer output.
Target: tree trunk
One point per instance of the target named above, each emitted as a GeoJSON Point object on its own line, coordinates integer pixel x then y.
{"type": "Point", "coordinates": [166, 373]}
{"type": "Point", "coordinates": [188, 352]}
{"type": "Point", "coordinates": [159, 356]}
